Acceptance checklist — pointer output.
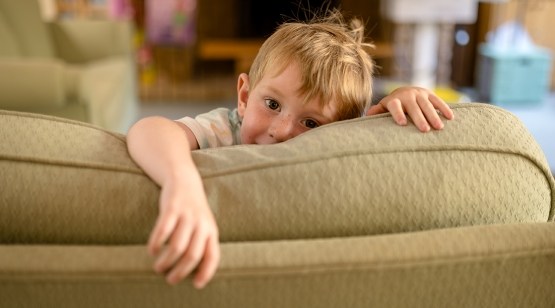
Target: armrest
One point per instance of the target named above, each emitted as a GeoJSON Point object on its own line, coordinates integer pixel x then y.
{"type": "Point", "coordinates": [365, 176]}
{"type": "Point", "coordinates": [33, 83]}
{"type": "Point", "coordinates": [80, 41]}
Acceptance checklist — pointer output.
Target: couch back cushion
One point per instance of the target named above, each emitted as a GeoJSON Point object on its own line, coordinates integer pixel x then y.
{"type": "Point", "coordinates": [22, 22]}
{"type": "Point", "coordinates": [68, 182]}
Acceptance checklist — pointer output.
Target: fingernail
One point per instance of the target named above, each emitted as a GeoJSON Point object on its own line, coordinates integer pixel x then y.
{"type": "Point", "coordinates": [152, 251]}
{"type": "Point", "coordinates": [159, 267]}
{"type": "Point", "coordinates": [172, 280]}
{"type": "Point", "coordinates": [198, 285]}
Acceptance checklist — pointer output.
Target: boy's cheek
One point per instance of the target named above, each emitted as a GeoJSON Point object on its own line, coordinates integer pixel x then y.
{"type": "Point", "coordinates": [246, 134]}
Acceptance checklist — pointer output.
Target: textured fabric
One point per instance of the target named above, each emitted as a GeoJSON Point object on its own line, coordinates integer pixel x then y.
{"type": "Point", "coordinates": [484, 266]}
{"type": "Point", "coordinates": [217, 128]}
{"type": "Point", "coordinates": [370, 176]}
{"type": "Point", "coordinates": [69, 182]}
{"type": "Point", "coordinates": [66, 182]}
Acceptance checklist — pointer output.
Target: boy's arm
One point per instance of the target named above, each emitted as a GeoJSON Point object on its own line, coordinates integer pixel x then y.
{"type": "Point", "coordinates": [162, 148]}
{"type": "Point", "coordinates": [420, 104]}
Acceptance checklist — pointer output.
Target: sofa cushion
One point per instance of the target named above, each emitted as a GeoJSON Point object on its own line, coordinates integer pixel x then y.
{"type": "Point", "coordinates": [9, 47]}
{"type": "Point", "coordinates": [79, 41]}
{"type": "Point", "coordinates": [31, 84]}
{"type": "Point", "coordinates": [24, 22]}
{"type": "Point", "coordinates": [371, 176]}
{"type": "Point", "coordinates": [69, 182]}
{"type": "Point", "coordinates": [104, 86]}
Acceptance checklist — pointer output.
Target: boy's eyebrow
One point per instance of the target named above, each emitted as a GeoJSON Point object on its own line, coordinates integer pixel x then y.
{"type": "Point", "coordinates": [275, 90]}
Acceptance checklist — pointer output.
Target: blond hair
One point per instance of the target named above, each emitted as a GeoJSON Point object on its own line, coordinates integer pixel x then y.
{"type": "Point", "coordinates": [332, 57]}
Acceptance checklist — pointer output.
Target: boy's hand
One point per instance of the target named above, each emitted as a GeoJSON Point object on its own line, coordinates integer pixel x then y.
{"type": "Point", "coordinates": [420, 104]}
{"type": "Point", "coordinates": [188, 227]}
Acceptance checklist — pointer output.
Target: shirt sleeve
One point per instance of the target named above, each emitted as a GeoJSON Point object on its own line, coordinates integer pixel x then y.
{"type": "Point", "coordinates": [213, 129]}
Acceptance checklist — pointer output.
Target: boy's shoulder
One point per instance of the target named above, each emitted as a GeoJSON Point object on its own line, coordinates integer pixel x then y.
{"type": "Point", "coordinates": [215, 128]}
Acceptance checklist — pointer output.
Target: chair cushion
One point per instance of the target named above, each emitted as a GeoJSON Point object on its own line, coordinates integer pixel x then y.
{"type": "Point", "coordinates": [79, 41]}
{"type": "Point", "coordinates": [24, 22]}
{"type": "Point", "coordinates": [34, 84]}
{"type": "Point", "coordinates": [69, 182]}
{"type": "Point", "coordinates": [9, 47]}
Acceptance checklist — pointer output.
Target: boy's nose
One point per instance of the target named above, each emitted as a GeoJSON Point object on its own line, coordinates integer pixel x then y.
{"type": "Point", "coordinates": [282, 129]}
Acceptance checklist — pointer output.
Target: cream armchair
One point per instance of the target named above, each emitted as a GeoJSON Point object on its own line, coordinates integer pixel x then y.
{"type": "Point", "coordinates": [77, 69]}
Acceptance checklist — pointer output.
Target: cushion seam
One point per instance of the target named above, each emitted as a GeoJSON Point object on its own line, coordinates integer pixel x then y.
{"type": "Point", "coordinates": [305, 159]}
{"type": "Point", "coordinates": [392, 264]}
{"type": "Point", "coordinates": [463, 148]}
{"type": "Point", "coordinates": [308, 269]}
{"type": "Point", "coordinates": [72, 164]}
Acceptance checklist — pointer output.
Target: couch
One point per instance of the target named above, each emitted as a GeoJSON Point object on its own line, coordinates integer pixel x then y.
{"type": "Point", "coordinates": [78, 69]}
{"type": "Point", "coordinates": [359, 213]}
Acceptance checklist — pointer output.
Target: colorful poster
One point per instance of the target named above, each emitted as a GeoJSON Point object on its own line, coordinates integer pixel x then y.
{"type": "Point", "coordinates": [171, 22]}
{"type": "Point", "coordinates": [120, 9]}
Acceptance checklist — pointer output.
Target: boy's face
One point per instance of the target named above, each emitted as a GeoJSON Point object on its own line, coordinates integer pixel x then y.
{"type": "Point", "coordinates": [274, 111]}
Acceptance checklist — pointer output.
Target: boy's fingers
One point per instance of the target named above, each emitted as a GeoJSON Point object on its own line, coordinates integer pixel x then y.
{"type": "Point", "coordinates": [395, 108]}
{"type": "Point", "coordinates": [418, 118]}
{"type": "Point", "coordinates": [161, 232]}
{"type": "Point", "coordinates": [376, 109]}
{"type": "Point", "coordinates": [442, 106]}
{"type": "Point", "coordinates": [207, 268]}
{"type": "Point", "coordinates": [190, 259]}
{"type": "Point", "coordinates": [178, 244]}
{"type": "Point", "coordinates": [447, 112]}
{"type": "Point", "coordinates": [429, 112]}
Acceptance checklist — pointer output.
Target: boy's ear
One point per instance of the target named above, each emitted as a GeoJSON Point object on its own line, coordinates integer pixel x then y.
{"type": "Point", "coordinates": [242, 93]}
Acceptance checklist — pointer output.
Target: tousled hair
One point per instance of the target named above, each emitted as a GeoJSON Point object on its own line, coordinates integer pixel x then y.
{"type": "Point", "coordinates": [332, 57]}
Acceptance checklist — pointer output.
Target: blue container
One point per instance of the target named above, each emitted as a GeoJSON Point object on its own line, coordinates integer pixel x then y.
{"type": "Point", "coordinates": [512, 77]}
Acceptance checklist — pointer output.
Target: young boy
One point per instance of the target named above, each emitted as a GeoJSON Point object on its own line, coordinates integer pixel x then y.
{"type": "Point", "coordinates": [304, 76]}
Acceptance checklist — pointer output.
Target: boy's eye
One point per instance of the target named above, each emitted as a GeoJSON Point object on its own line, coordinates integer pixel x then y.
{"type": "Point", "coordinates": [272, 104]}
{"type": "Point", "coordinates": [311, 123]}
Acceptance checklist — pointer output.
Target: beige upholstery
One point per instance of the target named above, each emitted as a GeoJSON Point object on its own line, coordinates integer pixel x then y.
{"type": "Point", "coordinates": [360, 213]}
{"type": "Point", "coordinates": [78, 69]}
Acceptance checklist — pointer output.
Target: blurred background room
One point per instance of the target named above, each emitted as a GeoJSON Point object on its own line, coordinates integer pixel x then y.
{"type": "Point", "coordinates": [111, 62]}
